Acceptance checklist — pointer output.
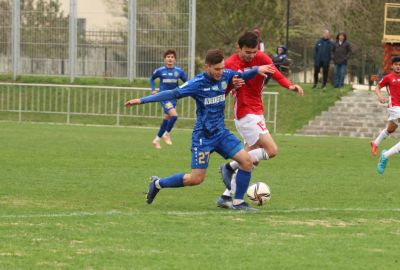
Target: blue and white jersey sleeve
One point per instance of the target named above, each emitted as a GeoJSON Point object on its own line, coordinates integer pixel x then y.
{"type": "Point", "coordinates": [182, 75]}
{"type": "Point", "coordinates": [247, 75]}
{"type": "Point", "coordinates": [154, 76]}
{"type": "Point", "coordinates": [189, 88]}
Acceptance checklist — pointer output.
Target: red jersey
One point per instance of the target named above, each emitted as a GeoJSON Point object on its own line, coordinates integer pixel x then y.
{"type": "Point", "coordinates": [248, 98]}
{"type": "Point", "coordinates": [392, 83]}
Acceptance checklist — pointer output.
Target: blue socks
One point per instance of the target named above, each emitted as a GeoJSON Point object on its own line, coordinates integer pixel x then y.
{"type": "Point", "coordinates": [171, 123]}
{"type": "Point", "coordinates": [242, 182]}
{"type": "Point", "coordinates": [172, 181]}
{"type": "Point", "coordinates": [163, 127]}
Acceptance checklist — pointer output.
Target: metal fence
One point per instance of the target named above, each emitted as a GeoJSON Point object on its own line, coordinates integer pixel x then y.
{"type": "Point", "coordinates": [70, 38]}
{"type": "Point", "coordinates": [23, 101]}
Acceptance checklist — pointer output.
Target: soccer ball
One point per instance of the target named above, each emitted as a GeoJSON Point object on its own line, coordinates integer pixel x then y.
{"type": "Point", "coordinates": [259, 193]}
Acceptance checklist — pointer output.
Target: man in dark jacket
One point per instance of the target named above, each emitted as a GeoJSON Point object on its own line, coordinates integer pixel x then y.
{"type": "Point", "coordinates": [341, 53]}
{"type": "Point", "coordinates": [322, 57]}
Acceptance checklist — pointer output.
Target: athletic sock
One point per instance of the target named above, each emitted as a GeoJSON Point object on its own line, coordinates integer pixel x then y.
{"type": "Point", "coordinates": [392, 151]}
{"type": "Point", "coordinates": [383, 135]}
{"type": "Point", "coordinates": [163, 127]}
{"type": "Point", "coordinates": [172, 181]}
{"type": "Point", "coordinates": [171, 123]}
{"type": "Point", "coordinates": [256, 155]}
{"type": "Point", "coordinates": [227, 193]}
{"type": "Point", "coordinates": [242, 182]}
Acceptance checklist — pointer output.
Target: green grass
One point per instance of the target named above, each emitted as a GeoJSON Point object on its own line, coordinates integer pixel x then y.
{"type": "Point", "coordinates": [71, 197]}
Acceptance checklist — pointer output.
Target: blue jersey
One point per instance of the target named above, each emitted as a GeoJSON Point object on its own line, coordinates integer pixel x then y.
{"type": "Point", "coordinates": [209, 95]}
{"type": "Point", "coordinates": [169, 77]}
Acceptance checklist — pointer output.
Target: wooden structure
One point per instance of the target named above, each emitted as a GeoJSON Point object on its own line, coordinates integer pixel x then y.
{"type": "Point", "coordinates": [391, 41]}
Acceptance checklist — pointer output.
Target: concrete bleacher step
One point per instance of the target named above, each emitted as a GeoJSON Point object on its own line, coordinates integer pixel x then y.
{"type": "Point", "coordinates": [357, 114]}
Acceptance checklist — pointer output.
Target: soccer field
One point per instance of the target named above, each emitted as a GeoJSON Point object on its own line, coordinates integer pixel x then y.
{"type": "Point", "coordinates": [72, 197]}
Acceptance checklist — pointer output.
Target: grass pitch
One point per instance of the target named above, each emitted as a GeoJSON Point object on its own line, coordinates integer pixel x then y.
{"type": "Point", "coordinates": [72, 197]}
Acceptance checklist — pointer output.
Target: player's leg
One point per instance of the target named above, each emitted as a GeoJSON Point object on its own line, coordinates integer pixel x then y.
{"type": "Point", "coordinates": [230, 147]}
{"type": "Point", "coordinates": [243, 177]}
{"type": "Point", "coordinates": [259, 142]}
{"type": "Point", "coordinates": [196, 177]}
{"type": "Point", "coordinates": [390, 128]}
{"type": "Point", "coordinates": [166, 106]}
{"type": "Point", "coordinates": [385, 157]}
{"type": "Point", "coordinates": [173, 116]}
{"type": "Point", "coordinates": [200, 158]}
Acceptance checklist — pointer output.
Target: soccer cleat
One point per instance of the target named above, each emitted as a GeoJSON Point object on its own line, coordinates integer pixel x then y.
{"type": "Point", "coordinates": [244, 206]}
{"type": "Point", "coordinates": [225, 202]}
{"type": "Point", "coordinates": [382, 163]}
{"type": "Point", "coordinates": [374, 147]}
{"type": "Point", "coordinates": [226, 175]}
{"type": "Point", "coordinates": [167, 138]}
{"type": "Point", "coordinates": [156, 144]}
{"type": "Point", "coordinates": [314, 86]}
{"type": "Point", "coordinates": [153, 190]}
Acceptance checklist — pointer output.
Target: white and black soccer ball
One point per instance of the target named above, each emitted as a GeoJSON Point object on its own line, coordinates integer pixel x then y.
{"type": "Point", "coordinates": [259, 193]}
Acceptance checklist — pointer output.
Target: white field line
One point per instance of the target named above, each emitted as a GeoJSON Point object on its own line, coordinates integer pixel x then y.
{"type": "Point", "coordinates": [199, 213]}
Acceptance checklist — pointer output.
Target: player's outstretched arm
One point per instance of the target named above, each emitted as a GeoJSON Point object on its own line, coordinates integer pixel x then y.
{"type": "Point", "coordinates": [266, 69]}
{"type": "Point", "coordinates": [161, 96]}
{"type": "Point", "coordinates": [132, 102]}
{"type": "Point", "coordinates": [297, 88]}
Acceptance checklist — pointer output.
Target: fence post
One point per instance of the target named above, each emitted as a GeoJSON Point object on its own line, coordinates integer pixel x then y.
{"type": "Point", "coordinates": [192, 38]}
{"type": "Point", "coordinates": [20, 105]}
{"type": "Point", "coordinates": [16, 36]}
{"type": "Point", "coordinates": [72, 40]}
{"type": "Point", "coordinates": [132, 11]}
{"type": "Point", "coordinates": [118, 104]}
{"type": "Point", "coordinates": [69, 105]}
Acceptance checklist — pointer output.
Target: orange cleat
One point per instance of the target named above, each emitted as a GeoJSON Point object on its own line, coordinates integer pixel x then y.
{"type": "Point", "coordinates": [374, 148]}
{"type": "Point", "coordinates": [167, 138]}
{"type": "Point", "coordinates": [156, 144]}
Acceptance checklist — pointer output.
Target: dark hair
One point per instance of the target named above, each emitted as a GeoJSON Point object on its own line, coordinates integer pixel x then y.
{"type": "Point", "coordinates": [248, 39]}
{"type": "Point", "coordinates": [214, 56]}
{"type": "Point", "coordinates": [395, 59]}
{"type": "Point", "coordinates": [170, 51]}
{"type": "Point", "coordinates": [343, 34]}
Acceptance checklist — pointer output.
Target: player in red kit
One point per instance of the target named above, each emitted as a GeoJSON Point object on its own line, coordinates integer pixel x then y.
{"type": "Point", "coordinates": [392, 84]}
{"type": "Point", "coordinates": [249, 108]}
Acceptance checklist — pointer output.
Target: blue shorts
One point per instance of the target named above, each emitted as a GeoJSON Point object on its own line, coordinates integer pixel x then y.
{"type": "Point", "coordinates": [168, 105]}
{"type": "Point", "coordinates": [226, 144]}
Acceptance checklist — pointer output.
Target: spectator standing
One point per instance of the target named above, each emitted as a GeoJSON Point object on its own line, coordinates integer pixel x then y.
{"type": "Point", "coordinates": [341, 52]}
{"type": "Point", "coordinates": [322, 58]}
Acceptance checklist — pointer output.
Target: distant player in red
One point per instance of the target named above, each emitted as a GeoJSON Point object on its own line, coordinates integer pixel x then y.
{"type": "Point", "coordinates": [392, 84]}
{"type": "Point", "coordinates": [249, 108]}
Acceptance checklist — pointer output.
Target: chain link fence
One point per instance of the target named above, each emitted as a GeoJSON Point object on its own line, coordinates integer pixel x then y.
{"type": "Point", "coordinates": [72, 38]}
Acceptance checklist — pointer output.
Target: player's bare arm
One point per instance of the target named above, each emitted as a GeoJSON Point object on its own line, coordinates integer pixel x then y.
{"type": "Point", "coordinates": [297, 88]}
{"type": "Point", "coordinates": [132, 102]}
{"type": "Point", "coordinates": [378, 93]}
{"type": "Point", "coordinates": [266, 69]}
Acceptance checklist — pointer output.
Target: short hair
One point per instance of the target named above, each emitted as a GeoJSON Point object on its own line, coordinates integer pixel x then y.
{"type": "Point", "coordinates": [214, 56]}
{"type": "Point", "coordinates": [248, 39]}
{"type": "Point", "coordinates": [395, 59]}
{"type": "Point", "coordinates": [170, 51]}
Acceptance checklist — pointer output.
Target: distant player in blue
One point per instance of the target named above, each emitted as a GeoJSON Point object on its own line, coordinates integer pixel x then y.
{"type": "Point", "coordinates": [209, 133]}
{"type": "Point", "coordinates": [169, 75]}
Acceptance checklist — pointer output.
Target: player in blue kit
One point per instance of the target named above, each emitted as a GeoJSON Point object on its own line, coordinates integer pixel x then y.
{"type": "Point", "coordinates": [209, 133]}
{"type": "Point", "coordinates": [169, 75]}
